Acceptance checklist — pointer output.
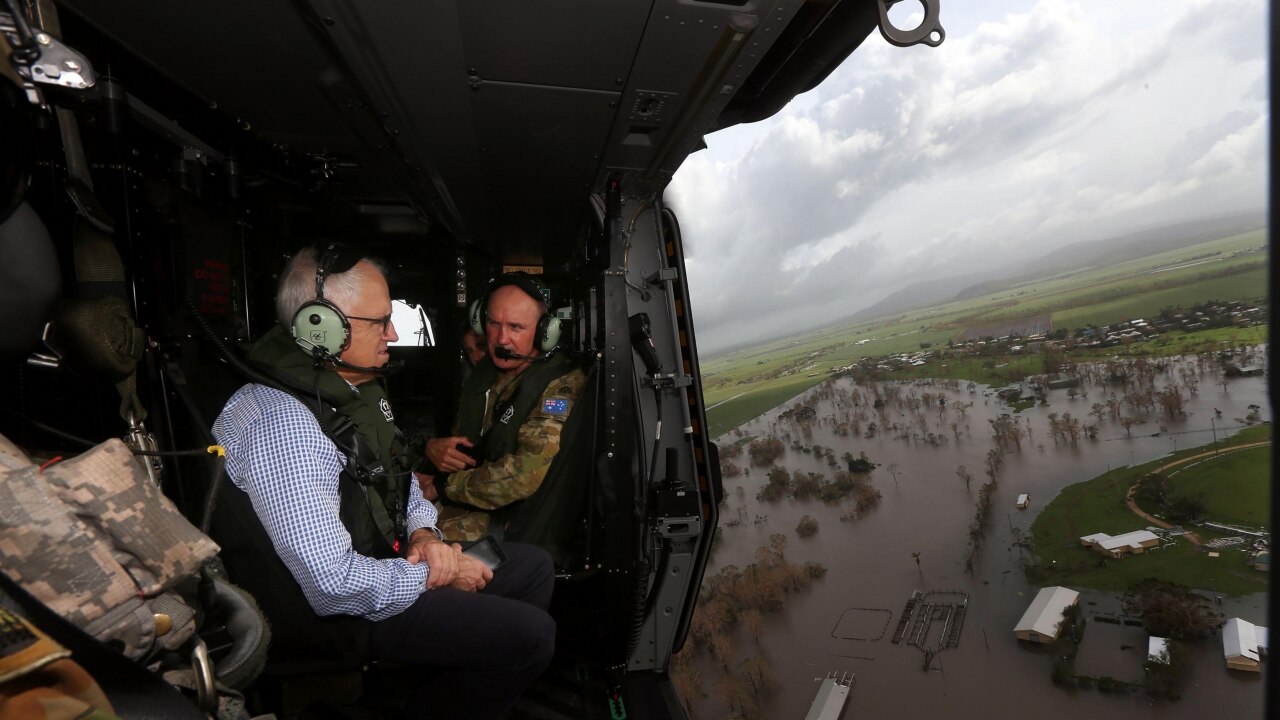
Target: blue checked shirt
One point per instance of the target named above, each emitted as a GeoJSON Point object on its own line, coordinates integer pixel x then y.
{"type": "Point", "coordinates": [278, 455]}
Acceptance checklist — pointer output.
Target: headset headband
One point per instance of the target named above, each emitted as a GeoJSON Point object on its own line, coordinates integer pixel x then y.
{"type": "Point", "coordinates": [334, 258]}
{"type": "Point", "coordinates": [525, 282]}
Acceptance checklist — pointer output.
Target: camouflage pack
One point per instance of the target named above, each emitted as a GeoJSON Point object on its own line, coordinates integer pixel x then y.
{"type": "Point", "coordinates": [94, 540]}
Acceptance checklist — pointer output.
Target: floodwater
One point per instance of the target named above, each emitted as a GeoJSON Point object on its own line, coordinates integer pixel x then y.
{"type": "Point", "coordinates": [927, 510]}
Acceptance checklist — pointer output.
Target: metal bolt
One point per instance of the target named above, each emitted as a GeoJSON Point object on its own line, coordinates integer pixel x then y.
{"type": "Point", "coordinates": [71, 65]}
{"type": "Point", "coordinates": [43, 38]}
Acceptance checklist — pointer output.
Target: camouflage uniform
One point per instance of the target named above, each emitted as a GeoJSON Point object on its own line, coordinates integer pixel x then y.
{"type": "Point", "coordinates": [94, 540]}
{"type": "Point", "coordinates": [472, 493]}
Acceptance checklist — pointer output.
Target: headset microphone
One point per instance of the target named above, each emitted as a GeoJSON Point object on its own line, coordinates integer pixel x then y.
{"type": "Point", "coordinates": [320, 355]}
{"type": "Point", "coordinates": [505, 354]}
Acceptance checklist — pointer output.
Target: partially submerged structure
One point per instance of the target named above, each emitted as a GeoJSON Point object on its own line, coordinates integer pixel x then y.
{"type": "Point", "coordinates": [1040, 623]}
{"type": "Point", "coordinates": [831, 697]}
{"type": "Point", "coordinates": [1158, 650]}
{"type": "Point", "coordinates": [1024, 500]}
{"type": "Point", "coordinates": [1243, 645]}
{"type": "Point", "coordinates": [1131, 542]}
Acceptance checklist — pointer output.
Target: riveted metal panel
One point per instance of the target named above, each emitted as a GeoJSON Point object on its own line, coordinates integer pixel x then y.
{"type": "Point", "coordinates": [567, 43]}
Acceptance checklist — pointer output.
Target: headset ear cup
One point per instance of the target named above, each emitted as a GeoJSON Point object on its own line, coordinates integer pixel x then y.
{"type": "Point", "coordinates": [475, 316]}
{"type": "Point", "coordinates": [320, 325]}
{"type": "Point", "coordinates": [549, 333]}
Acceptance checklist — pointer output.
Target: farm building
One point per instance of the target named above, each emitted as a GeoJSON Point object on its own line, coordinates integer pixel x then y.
{"type": "Point", "coordinates": [1040, 622]}
{"type": "Point", "coordinates": [1024, 500]}
{"type": "Point", "coordinates": [1158, 650]}
{"type": "Point", "coordinates": [1131, 542]}
{"type": "Point", "coordinates": [1243, 644]}
{"type": "Point", "coordinates": [832, 695]}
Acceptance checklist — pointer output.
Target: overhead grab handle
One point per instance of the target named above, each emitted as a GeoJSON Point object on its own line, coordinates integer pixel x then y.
{"type": "Point", "coordinates": [929, 31]}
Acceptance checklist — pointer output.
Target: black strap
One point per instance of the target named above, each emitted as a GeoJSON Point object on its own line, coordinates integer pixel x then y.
{"type": "Point", "coordinates": [342, 432]}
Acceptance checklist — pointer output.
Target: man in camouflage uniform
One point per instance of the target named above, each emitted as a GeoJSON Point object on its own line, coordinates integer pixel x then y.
{"type": "Point", "coordinates": [510, 416]}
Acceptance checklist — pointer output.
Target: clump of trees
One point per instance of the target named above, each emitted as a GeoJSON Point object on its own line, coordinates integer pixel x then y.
{"type": "Point", "coordinates": [765, 452]}
{"type": "Point", "coordinates": [807, 527]}
{"type": "Point", "coordinates": [1171, 610]}
{"type": "Point", "coordinates": [781, 483]}
{"type": "Point", "coordinates": [860, 464]}
{"type": "Point", "coordinates": [732, 598]}
{"type": "Point", "coordinates": [1065, 646]}
{"type": "Point", "coordinates": [1164, 679]}
{"type": "Point", "coordinates": [1155, 494]}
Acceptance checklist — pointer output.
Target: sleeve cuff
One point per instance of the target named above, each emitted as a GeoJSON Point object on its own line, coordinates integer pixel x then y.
{"type": "Point", "coordinates": [434, 531]}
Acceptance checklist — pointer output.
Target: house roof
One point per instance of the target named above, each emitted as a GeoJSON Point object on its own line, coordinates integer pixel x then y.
{"type": "Point", "coordinates": [1241, 638]}
{"type": "Point", "coordinates": [1158, 649]}
{"type": "Point", "coordinates": [1045, 611]}
{"type": "Point", "coordinates": [1130, 539]}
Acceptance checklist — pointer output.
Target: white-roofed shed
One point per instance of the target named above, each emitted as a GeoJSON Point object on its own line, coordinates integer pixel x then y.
{"type": "Point", "coordinates": [1130, 542]}
{"type": "Point", "coordinates": [1242, 643]}
{"type": "Point", "coordinates": [1158, 650]}
{"type": "Point", "coordinates": [1040, 622]}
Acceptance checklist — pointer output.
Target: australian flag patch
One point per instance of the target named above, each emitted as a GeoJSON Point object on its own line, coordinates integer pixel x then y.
{"type": "Point", "coordinates": [555, 406]}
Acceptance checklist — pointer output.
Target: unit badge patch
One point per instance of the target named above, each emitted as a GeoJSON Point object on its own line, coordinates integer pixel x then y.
{"type": "Point", "coordinates": [555, 406]}
{"type": "Point", "coordinates": [385, 407]}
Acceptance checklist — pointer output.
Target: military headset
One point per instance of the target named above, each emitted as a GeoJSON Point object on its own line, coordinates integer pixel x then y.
{"type": "Point", "coordinates": [319, 325]}
{"type": "Point", "coordinates": [547, 333]}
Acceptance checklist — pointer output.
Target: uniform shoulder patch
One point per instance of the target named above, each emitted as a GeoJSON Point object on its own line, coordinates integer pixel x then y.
{"type": "Point", "coordinates": [556, 406]}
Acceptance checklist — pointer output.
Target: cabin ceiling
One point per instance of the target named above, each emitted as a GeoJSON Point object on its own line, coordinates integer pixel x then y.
{"type": "Point", "coordinates": [494, 118]}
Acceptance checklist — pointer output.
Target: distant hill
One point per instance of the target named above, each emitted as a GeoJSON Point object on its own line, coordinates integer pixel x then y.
{"type": "Point", "coordinates": [924, 294]}
{"type": "Point", "coordinates": [1075, 256]}
{"type": "Point", "coordinates": [1111, 251]}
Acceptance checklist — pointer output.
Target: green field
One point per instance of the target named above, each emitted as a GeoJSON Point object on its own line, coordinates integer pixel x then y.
{"type": "Point", "coordinates": [1098, 505]}
{"type": "Point", "coordinates": [1243, 286]}
{"type": "Point", "coordinates": [742, 384]}
{"type": "Point", "coordinates": [1231, 486]}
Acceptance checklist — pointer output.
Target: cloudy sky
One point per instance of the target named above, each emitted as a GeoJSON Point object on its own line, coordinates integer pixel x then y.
{"type": "Point", "coordinates": [1033, 125]}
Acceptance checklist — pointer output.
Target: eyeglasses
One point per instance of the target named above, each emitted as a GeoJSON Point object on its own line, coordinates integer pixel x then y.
{"type": "Point", "coordinates": [383, 321]}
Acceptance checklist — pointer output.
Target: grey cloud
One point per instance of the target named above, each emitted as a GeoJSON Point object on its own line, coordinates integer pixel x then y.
{"type": "Point", "coordinates": [928, 125]}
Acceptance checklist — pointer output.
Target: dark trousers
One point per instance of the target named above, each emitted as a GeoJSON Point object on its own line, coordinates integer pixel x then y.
{"type": "Point", "coordinates": [481, 649]}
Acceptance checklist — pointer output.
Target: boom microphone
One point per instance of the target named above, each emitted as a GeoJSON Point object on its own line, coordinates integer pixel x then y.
{"type": "Point", "coordinates": [392, 366]}
{"type": "Point", "coordinates": [504, 354]}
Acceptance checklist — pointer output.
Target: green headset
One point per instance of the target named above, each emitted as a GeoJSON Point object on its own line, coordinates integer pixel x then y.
{"type": "Point", "coordinates": [319, 327]}
{"type": "Point", "coordinates": [547, 334]}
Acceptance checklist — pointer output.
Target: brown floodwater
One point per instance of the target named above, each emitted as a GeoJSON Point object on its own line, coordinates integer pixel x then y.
{"type": "Point", "coordinates": [927, 510]}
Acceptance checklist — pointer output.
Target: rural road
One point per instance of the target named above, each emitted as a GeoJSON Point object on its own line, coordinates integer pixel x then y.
{"type": "Point", "coordinates": [1133, 506]}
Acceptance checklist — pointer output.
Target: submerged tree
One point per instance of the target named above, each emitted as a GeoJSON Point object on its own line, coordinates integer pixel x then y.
{"type": "Point", "coordinates": [807, 526]}
{"type": "Point", "coordinates": [1171, 610]}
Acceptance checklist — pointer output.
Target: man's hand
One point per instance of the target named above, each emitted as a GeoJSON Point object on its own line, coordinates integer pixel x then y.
{"type": "Point", "coordinates": [442, 559]}
{"type": "Point", "coordinates": [473, 575]}
{"type": "Point", "coordinates": [428, 486]}
{"type": "Point", "coordinates": [445, 455]}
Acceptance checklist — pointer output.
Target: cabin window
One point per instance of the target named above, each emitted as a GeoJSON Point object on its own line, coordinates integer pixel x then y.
{"type": "Point", "coordinates": [413, 325]}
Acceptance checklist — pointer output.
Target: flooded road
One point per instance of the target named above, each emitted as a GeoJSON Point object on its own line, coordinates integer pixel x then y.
{"type": "Point", "coordinates": [927, 510]}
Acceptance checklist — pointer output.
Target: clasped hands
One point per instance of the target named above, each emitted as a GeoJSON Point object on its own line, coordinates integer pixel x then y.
{"type": "Point", "coordinates": [448, 566]}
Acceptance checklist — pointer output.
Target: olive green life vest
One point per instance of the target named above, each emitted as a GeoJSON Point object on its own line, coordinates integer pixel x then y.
{"type": "Point", "coordinates": [374, 487]}
{"type": "Point", "coordinates": [554, 517]}
{"type": "Point", "coordinates": [503, 436]}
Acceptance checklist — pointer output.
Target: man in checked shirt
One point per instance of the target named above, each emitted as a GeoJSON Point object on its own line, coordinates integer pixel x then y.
{"type": "Point", "coordinates": [359, 571]}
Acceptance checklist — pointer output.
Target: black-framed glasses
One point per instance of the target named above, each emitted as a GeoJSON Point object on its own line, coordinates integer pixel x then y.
{"type": "Point", "coordinates": [384, 321]}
